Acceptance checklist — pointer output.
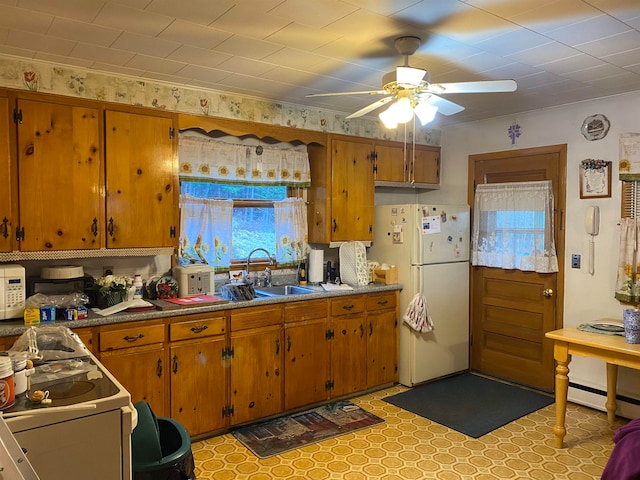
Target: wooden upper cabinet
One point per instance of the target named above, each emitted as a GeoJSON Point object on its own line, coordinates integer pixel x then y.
{"type": "Point", "coordinates": [142, 185]}
{"type": "Point", "coordinates": [419, 167]}
{"type": "Point", "coordinates": [8, 216]}
{"type": "Point", "coordinates": [390, 163]}
{"type": "Point", "coordinates": [426, 165]}
{"type": "Point", "coordinates": [60, 169]}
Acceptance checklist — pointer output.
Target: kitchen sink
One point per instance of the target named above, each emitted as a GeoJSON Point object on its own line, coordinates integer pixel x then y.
{"type": "Point", "coordinates": [279, 290]}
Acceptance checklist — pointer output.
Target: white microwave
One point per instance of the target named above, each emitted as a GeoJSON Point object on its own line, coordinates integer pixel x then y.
{"type": "Point", "coordinates": [12, 291]}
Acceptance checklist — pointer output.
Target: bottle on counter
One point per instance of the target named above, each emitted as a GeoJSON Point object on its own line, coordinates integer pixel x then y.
{"type": "Point", "coordinates": [137, 283]}
{"type": "Point", "coordinates": [302, 274]}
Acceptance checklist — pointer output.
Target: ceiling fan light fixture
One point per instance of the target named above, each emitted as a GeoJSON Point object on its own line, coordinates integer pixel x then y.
{"type": "Point", "coordinates": [425, 112]}
{"type": "Point", "coordinates": [409, 77]}
{"type": "Point", "coordinates": [403, 110]}
{"type": "Point", "coordinates": [388, 118]}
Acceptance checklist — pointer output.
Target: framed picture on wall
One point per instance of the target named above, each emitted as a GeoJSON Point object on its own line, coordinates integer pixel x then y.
{"type": "Point", "coordinates": [595, 179]}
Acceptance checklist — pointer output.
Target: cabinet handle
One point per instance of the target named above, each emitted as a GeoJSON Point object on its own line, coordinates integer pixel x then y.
{"type": "Point", "coordinates": [94, 227]}
{"type": "Point", "coordinates": [5, 221]}
{"type": "Point", "coordinates": [348, 307]}
{"type": "Point", "coordinates": [382, 302]}
{"type": "Point", "coordinates": [175, 364]}
{"type": "Point", "coordinates": [277, 346]}
{"type": "Point", "coordinates": [110, 227]}
{"type": "Point", "coordinates": [335, 225]}
{"type": "Point", "coordinates": [133, 339]}
{"type": "Point", "coordinates": [159, 368]}
{"type": "Point", "coordinates": [361, 330]}
{"type": "Point", "coordinates": [288, 343]}
{"type": "Point", "coordinates": [199, 329]}
{"type": "Point", "coordinates": [370, 328]}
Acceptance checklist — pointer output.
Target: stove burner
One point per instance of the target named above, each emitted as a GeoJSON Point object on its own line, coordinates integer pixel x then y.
{"type": "Point", "coordinates": [71, 389]}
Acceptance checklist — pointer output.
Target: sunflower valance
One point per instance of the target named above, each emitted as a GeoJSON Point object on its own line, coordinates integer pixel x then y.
{"type": "Point", "coordinates": [236, 160]}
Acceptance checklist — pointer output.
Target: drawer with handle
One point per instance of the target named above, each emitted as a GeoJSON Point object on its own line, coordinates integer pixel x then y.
{"type": "Point", "coordinates": [132, 336]}
{"type": "Point", "coordinates": [347, 305]}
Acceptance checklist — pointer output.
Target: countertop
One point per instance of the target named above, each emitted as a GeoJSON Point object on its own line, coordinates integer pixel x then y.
{"type": "Point", "coordinates": [17, 326]}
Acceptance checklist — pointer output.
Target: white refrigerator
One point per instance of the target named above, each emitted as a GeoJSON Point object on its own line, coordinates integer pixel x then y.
{"type": "Point", "coordinates": [430, 246]}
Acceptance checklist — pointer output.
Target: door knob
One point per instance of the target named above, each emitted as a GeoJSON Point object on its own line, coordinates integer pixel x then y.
{"type": "Point", "coordinates": [547, 292]}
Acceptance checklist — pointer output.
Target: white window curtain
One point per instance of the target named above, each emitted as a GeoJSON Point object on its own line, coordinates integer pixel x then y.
{"type": "Point", "coordinates": [291, 231]}
{"type": "Point", "coordinates": [245, 161]}
{"type": "Point", "coordinates": [513, 227]}
{"type": "Point", "coordinates": [628, 277]}
{"type": "Point", "coordinates": [205, 231]}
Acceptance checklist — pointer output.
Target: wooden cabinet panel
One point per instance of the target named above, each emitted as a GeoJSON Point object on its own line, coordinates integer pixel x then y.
{"type": "Point", "coordinates": [197, 326]}
{"type": "Point", "coordinates": [382, 348]}
{"type": "Point", "coordinates": [426, 165]}
{"type": "Point", "coordinates": [348, 355]}
{"type": "Point", "coordinates": [59, 157]}
{"type": "Point", "coordinates": [347, 305]}
{"type": "Point", "coordinates": [305, 310]}
{"type": "Point", "coordinates": [199, 384]}
{"type": "Point", "coordinates": [8, 212]}
{"type": "Point", "coordinates": [142, 189]}
{"type": "Point", "coordinates": [378, 301]}
{"type": "Point", "coordinates": [256, 373]}
{"type": "Point", "coordinates": [255, 317]}
{"type": "Point", "coordinates": [131, 336]}
{"type": "Point", "coordinates": [391, 164]}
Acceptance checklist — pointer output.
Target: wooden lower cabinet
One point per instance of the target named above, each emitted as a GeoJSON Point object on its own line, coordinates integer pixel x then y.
{"type": "Point", "coordinates": [306, 353]}
{"type": "Point", "coordinates": [382, 338]}
{"type": "Point", "coordinates": [135, 354]}
{"type": "Point", "coordinates": [199, 376]}
{"type": "Point", "coordinates": [256, 372]}
{"type": "Point", "coordinates": [349, 345]}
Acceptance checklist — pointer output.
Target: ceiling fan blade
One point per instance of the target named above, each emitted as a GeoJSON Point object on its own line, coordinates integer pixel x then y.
{"type": "Point", "coordinates": [371, 107]}
{"type": "Point", "coordinates": [445, 107]}
{"type": "Point", "coordinates": [474, 87]}
{"type": "Point", "coordinates": [366, 92]}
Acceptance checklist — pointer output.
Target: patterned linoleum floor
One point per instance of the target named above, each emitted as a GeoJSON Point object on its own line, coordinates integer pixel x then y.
{"type": "Point", "coordinates": [408, 446]}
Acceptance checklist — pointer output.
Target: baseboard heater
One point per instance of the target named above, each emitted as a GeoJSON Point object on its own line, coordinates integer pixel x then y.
{"type": "Point", "coordinates": [603, 393]}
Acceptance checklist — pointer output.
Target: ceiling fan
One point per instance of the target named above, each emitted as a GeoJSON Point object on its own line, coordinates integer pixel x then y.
{"type": "Point", "coordinates": [409, 91]}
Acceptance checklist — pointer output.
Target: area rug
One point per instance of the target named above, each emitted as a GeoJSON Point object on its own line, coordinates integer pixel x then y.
{"type": "Point", "coordinates": [282, 434]}
{"type": "Point", "coordinates": [469, 403]}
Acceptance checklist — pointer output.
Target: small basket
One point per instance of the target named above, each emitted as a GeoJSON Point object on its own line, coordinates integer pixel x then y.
{"type": "Point", "coordinates": [109, 299]}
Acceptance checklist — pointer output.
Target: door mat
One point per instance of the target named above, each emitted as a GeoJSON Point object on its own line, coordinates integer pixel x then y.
{"type": "Point", "coordinates": [279, 435]}
{"type": "Point", "coordinates": [469, 403]}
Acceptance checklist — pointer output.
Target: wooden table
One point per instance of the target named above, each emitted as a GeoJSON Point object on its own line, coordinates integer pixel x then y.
{"type": "Point", "coordinates": [611, 348]}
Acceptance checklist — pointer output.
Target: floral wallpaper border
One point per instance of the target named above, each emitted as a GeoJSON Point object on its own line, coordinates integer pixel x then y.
{"type": "Point", "coordinates": [75, 82]}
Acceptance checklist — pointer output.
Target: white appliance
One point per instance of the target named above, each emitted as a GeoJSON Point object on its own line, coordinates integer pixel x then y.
{"type": "Point", "coordinates": [85, 432]}
{"type": "Point", "coordinates": [12, 291]}
{"type": "Point", "coordinates": [430, 246]}
{"type": "Point", "coordinates": [194, 280]}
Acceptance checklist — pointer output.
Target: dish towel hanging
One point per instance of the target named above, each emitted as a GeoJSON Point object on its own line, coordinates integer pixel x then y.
{"type": "Point", "coordinates": [417, 314]}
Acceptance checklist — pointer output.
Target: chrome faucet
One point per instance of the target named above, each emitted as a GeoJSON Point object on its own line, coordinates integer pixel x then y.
{"type": "Point", "coordinates": [271, 259]}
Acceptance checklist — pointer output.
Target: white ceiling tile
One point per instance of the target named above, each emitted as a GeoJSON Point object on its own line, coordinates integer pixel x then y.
{"type": "Point", "coordinates": [193, 34]}
{"type": "Point", "coordinates": [248, 47]}
{"type": "Point", "coordinates": [175, 79]}
{"type": "Point", "coordinates": [560, 13]}
{"type": "Point", "coordinates": [246, 66]}
{"type": "Point", "coordinates": [318, 13]}
{"type": "Point", "coordinates": [293, 58]}
{"type": "Point", "coordinates": [621, 9]}
{"type": "Point", "coordinates": [23, 19]}
{"type": "Point", "coordinates": [139, 4]}
{"type": "Point", "coordinates": [364, 27]}
{"type": "Point", "coordinates": [108, 56]}
{"type": "Point", "coordinates": [4, 33]}
{"type": "Point", "coordinates": [81, 31]}
{"type": "Point", "coordinates": [383, 7]}
{"type": "Point", "coordinates": [614, 44]}
{"type": "Point", "coordinates": [203, 12]}
{"type": "Point", "coordinates": [447, 49]}
{"type": "Point", "coordinates": [512, 42]}
{"type": "Point", "coordinates": [120, 70]}
{"type": "Point", "coordinates": [485, 61]}
{"type": "Point", "coordinates": [509, 9]}
{"type": "Point", "coordinates": [16, 51]}
{"type": "Point", "coordinates": [151, 46]}
{"type": "Point", "coordinates": [537, 80]}
{"type": "Point", "coordinates": [601, 71]}
{"type": "Point", "coordinates": [571, 64]}
{"type": "Point", "coordinates": [198, 56]}
{"type": "Point", "coordinates": [64, 60]}
{"type": "Point", "coordinates": [131, 19]}
{"type": "Point", "coordinates": [154, 64]}
{"type": "Point", "coordinates": [83, 10]}
{"type": "Point", "coordinates": [42, 43]}
{"type": "Point", "coordinates": [618, 82]}
{"type": "Point", "coordinates": [512, 70]}
{"type": "Point", "coordinates": [204, 74]}
{"type": "Point", "coordinates": [250, 21]}
{"type": "Point", "coordinates": [544, 54]}
{"type": "Point", "coordinates": [590, 30]}
{"type": "Point", "coordinates": [624, 59]}
{"type": "Point", "coordinates": [302, 37]}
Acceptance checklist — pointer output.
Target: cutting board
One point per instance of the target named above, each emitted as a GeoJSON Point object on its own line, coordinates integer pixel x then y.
{"type": "Point", "coordinates": [198, 301]}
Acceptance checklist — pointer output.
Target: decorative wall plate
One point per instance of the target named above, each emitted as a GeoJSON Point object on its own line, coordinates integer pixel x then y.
{"type": "Point", "coordinates": [595, 127]}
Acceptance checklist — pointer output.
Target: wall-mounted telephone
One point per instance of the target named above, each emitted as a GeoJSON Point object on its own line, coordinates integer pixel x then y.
{"type": "Point", "coordinates": [592, 220]}
{"type": "Point", "coordinates": [592, 225]}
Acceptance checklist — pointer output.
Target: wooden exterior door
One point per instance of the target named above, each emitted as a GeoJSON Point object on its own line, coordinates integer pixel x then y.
{"type": "Point", "coordinates": [511, 310]}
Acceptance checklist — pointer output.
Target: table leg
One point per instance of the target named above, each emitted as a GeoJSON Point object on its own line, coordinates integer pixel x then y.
{"type": "Point", "coordinates": [612, 382]}
{"type": "Point", "coordinates": [562, 357]}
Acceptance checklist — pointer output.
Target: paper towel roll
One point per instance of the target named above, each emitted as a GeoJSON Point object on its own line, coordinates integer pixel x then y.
{"type": "Point", "coordinates": [316, 266]}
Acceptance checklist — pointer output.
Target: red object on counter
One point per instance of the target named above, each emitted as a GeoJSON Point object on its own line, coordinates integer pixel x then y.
{"type": "Point", "coordinates": [200, 299]}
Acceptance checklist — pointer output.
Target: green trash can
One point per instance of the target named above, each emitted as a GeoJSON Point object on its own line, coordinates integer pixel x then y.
{"type": "Point", "coordinates": [160, 448]}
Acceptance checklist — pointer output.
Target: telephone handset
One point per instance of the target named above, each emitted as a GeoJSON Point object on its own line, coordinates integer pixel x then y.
{"type": "Point", "coordinates": [592, 226]}
{"type": "Point", "coordinates": [592, 220]}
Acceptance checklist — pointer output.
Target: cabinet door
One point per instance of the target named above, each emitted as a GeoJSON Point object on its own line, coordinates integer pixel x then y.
{"type": "Point", "coordinates": [348, 355]}
{"type": "Point", "coordinates": [381, 348]}
{"type": "Point", "coordinates": [306, 366]}
{"type": "Point", "coordinates": [390, 163]}
{"type": "Point", "coordinates": [7, 211]}
{"type": "Point", "coordinates": [352, 191]}
{"type": "Point", "coordinates": [60, 174]}
{"type": "Point", "coordinates": [142, 373]}
{"type": "Point", "coordinates": [199, 385]}
{"type": "Point", "coordinates": [256, 374]}
{"type": "Point", "coordinates": [426, 165]}
{"type": "Point", "coordinates": [142, 197]}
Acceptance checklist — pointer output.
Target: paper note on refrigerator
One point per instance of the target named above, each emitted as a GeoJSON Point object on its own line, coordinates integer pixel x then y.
{"type": "Point", "coordinates": [430, 225]}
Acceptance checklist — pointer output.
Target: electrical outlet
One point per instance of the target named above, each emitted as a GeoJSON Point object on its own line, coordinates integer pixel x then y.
{"type": "Point", "coordinates": [575, 261]}
{"type": "Point", "coordinates": [107, 268]}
